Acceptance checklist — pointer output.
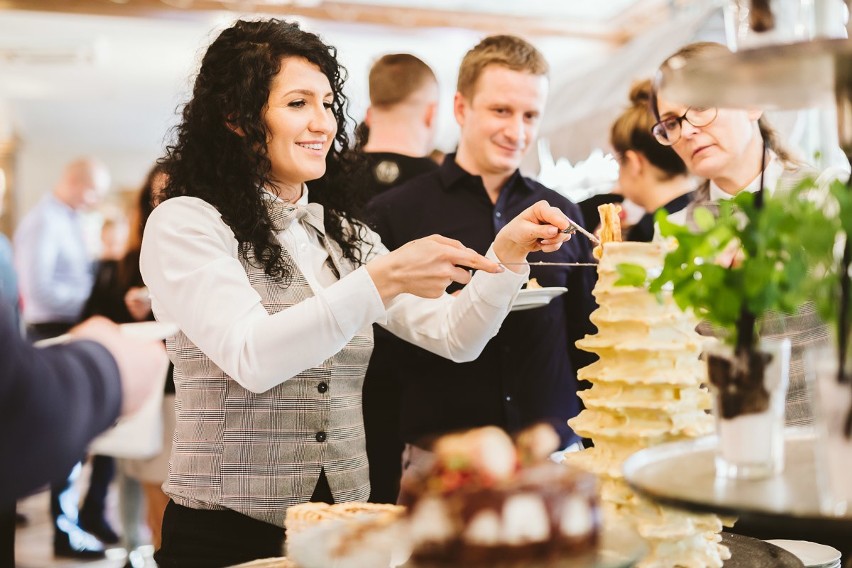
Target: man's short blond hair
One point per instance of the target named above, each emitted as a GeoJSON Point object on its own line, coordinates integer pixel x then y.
{"type": "Point", "coordinates": [508, 51]}
{"type": "Point", "coordinates": [397, 76]}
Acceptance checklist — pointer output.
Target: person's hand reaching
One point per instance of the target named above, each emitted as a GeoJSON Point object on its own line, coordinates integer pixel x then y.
{"type": "Point", "coordinates": [537, 228]}
{"type": "Point", "coordinates": [425, 267]}
{"type": "Point", "coordinates": [138, 302]}
{"type": "Point", "coordinates": [141, 363]}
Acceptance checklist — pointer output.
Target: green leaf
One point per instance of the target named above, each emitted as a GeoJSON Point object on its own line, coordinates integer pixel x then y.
{"type": "Point", "coordinates": [789, 252]}
{"type": "Point", "coordinates": [704, 219]}
{"type": "Point", "coordinates": [631, 275]}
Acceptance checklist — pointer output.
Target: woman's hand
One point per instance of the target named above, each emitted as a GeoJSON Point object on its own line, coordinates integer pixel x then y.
{"type": "Point", "coordinates": [536, 228]}
{"type": "Point", "coordinates": [425, 267]}
{"type": "Point", "coordinates": [138, 302]}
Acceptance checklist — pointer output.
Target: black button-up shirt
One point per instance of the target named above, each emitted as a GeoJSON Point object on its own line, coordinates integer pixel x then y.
{"type": "Point", "coordinates": [527, 372]}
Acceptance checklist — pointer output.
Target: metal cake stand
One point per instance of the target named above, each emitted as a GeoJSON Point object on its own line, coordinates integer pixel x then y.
{"type": "Point", "coordinates": [789, 76]}
{"type": "Point", "coordinates": [683, 475]}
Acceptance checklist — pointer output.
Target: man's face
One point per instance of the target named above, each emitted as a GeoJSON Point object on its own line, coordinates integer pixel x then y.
{"type": "Point", "coordinates": [89, 189]}
{"type": "Point", "coordinates": [500, 120]}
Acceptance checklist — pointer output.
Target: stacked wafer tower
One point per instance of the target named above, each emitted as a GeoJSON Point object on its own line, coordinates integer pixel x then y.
{"type": "Point", "coordinates": [646, 390]}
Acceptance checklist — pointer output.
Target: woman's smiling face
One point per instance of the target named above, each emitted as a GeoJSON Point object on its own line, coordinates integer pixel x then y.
{"type": "Point", "coordinates": [300, 121]}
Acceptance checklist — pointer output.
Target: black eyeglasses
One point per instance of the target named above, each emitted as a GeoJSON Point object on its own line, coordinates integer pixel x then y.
{"type": "Point", "coordinates": [668, 130]}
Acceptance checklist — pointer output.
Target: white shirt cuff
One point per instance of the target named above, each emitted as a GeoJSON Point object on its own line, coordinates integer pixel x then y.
{"type": "Point", "coordinates": [492, 288]}
{"type": "Point", "coordinates": [355, 300]}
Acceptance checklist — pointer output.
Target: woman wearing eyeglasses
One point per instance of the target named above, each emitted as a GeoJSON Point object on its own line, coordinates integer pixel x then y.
{"type": "Point", "coordinates": [729, 148]}
{"type": "Point", "coordinates": [735, 150]}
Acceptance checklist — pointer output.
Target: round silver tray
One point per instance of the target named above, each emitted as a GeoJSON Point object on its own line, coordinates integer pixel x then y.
{"type": "Point", "coordinates": [683, 474]}
{"type": "Point", "coordinates": [620, 546]}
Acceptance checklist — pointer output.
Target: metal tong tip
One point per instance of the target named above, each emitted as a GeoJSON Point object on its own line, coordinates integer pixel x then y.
{"type": "Point", "coordinates": [575, 228]}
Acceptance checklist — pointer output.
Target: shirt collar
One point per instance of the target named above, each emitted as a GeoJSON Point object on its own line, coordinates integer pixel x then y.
{"type": "Point", "coordinates": [772, 174]}
{"type": "Point", "coordinates": [303, 200]}
{"type": "Point", "coordinates": [452, 175]}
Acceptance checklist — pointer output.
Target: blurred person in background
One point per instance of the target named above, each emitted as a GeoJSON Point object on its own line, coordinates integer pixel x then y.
{"type": "Point", "coordinates": [734, 150]}
{"type": "Point", "coordinates": [401, 123]}
{"type": "Point", "coordinates": [527, 372]}
{"type": "Point", "coordinates": [120, 295]}
{"type": "Point", "coordinates": [8, 279]}
{"type": "Point", "coordinates": [649, 174]}
{"type": "Point", "coordinates": [56, 275]}
{"type": "Point", "coordinates": [54, 400]}
{"type": "Point", "coordinates": [114, 234]}
{"type": "Point", "coordinates": [9, 297]}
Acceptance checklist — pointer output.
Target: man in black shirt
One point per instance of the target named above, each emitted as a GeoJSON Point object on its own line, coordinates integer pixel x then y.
{"type": "Point", "coordinates": [400, 133]}
{"type": "Point", "coordinates": [401, 120]}
{"type": "Point", "coordinates": [527, 372]}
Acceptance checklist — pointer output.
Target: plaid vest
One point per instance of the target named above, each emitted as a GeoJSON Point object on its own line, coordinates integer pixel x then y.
{"type": "Point", "coordinates": [258, 454]}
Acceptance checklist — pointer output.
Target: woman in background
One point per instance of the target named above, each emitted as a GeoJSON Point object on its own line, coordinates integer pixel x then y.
{"type": "Point", "coordinates": [120, 295]}
{"type": "Point", "coordinates": [736, 150]}
{"type": "Point", "coordinates": [650, 175]}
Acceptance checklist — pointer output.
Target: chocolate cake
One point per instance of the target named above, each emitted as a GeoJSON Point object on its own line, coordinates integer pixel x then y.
{"type": "Point", "coordinates": [486, 502]}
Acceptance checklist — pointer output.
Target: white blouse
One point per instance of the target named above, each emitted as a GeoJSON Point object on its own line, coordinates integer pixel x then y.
{"type": "Point", "coordinates": [190, 263]}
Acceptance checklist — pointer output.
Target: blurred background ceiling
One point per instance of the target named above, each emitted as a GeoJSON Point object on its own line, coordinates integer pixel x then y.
{"type": "Point", "coordinates": [105, 77]}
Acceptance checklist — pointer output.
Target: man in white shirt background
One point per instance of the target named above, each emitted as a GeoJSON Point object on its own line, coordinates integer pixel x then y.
{"type": "Point", "coordinates": [56, 275]}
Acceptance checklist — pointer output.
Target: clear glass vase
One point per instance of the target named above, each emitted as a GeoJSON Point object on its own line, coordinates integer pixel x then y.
{"type": "Point", "coordinates": [748, 405]}
{"type": "Point", "coordinates": [832, 403]}
{"type": "Point", "coordinates": [785, 21]}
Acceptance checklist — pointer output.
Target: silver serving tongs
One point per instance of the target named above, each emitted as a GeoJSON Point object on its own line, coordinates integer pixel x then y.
{"type": "Point", "coordinates": [574, 227]}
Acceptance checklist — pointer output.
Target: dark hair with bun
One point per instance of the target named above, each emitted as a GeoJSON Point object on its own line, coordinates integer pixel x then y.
{"type": "Point", "coordinates": [632, 131]}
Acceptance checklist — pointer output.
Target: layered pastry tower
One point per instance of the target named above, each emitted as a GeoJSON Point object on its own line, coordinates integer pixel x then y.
{"type": "Point", "coordinates": [646, 390]}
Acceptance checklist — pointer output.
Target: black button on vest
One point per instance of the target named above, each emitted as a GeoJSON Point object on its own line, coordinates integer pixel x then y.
{"type": "Point", "coordinates": [322, 387]}
{"type": "Point", "coordinates": [321, 436]}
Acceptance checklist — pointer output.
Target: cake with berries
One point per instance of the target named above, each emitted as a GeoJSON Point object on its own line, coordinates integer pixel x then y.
{"type": "Point", "coordinates": [489, 501]}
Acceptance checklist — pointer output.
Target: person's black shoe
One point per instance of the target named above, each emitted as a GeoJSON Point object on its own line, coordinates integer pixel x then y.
{"type": "Point", "coordinates": [70, 541]}
{"type": "Point", "coordinates": [100, 528]}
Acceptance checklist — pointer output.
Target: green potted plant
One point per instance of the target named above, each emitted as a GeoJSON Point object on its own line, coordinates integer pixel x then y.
{"type": "Point", "coordinates": [758, 255]}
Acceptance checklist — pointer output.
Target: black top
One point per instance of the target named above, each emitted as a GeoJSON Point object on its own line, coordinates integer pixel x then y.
{"type": "Point", "coordinates": [644, 230]}
{"type": "Point", "coordinates": [53, 401]}
{"type": "Point", "coordinates": [390, 170]}
{"type": "Point", "coordinates": [527, 371]}
{"type": "Point", "coordinates": [107, 299]}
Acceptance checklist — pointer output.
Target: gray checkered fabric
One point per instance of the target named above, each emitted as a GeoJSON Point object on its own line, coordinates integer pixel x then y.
{"type": "Point", "coordinates": [804, 329]}
{"type": "Point", "coordinates": [258, 454]}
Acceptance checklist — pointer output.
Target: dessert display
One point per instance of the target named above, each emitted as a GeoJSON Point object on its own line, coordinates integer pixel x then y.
{"type": "Point", "coordinates": [646, 390]}
{"type": "Point", "coordinates": [490, 502]}
{"type": "Point", "coordinates": [345, 535]}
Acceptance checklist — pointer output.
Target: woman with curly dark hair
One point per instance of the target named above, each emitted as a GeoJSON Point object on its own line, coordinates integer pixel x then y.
{"type": "Point", "coordinates": [274, 286]}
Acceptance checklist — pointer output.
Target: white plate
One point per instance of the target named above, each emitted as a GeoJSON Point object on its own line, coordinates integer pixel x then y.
{"type": "Point", "coordinates": [811, 554]}
{"type": "Point", "coordinates": [150, 330]}
{"type": "Point", "coordinates": [536, 297]}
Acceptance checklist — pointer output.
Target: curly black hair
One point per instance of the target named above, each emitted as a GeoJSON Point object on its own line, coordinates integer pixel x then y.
{"type": "Point", "coordinates": [209, 160]}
